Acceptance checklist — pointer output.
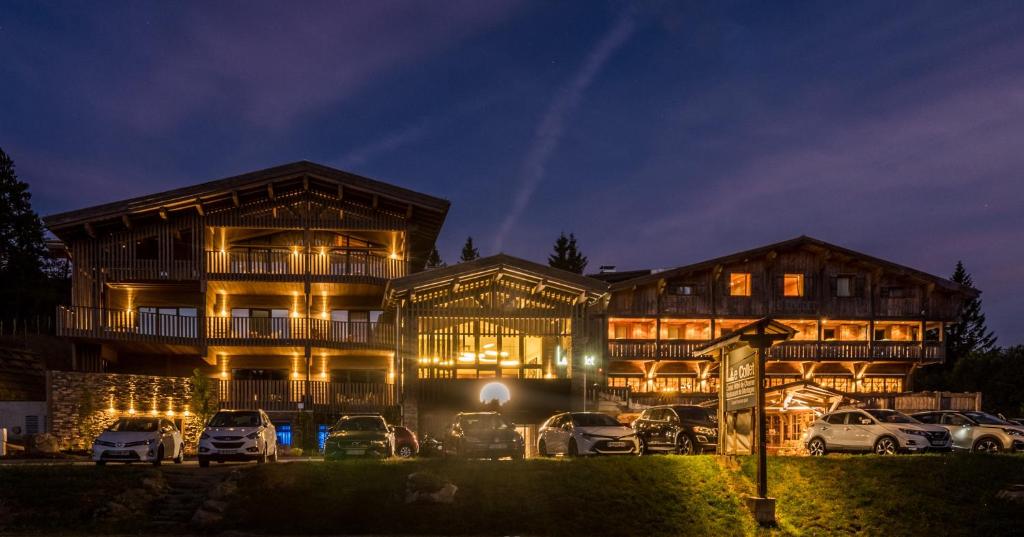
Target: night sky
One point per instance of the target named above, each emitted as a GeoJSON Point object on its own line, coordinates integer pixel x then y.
{"type": "Point", "coordinates": [660, 133]}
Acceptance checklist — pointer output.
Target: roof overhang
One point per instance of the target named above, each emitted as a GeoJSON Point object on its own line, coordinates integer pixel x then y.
{"type": "Point", "coordinates": [589, 290]}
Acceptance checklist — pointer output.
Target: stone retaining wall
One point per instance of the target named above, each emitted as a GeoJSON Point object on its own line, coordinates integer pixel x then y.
{"type": "Point", "coordinates": [83, 404]}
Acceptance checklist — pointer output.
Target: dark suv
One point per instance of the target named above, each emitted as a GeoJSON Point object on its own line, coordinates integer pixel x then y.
{"type": "Point", "coordinates": [683, 429]}
{"type": "Point", "coordinates": [483, 435]}
{"type": "Point", "coordinates": [360, 435]}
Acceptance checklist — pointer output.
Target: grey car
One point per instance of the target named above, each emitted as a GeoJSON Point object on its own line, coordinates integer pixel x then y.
{"type": "Point", "coordinates": [978, 432]}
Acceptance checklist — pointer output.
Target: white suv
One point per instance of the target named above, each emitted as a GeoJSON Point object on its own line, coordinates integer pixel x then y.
{"type": "Point", "coordinates": [883, 432]}
{"type": "Point", "coordinates": [238, 435]}
{"type": "Point", "coordinates": [978, 432]}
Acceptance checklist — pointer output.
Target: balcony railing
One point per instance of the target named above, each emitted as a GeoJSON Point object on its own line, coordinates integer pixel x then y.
{"type": "Point", "coordinates": [284, 264]}
{"type": "Point", "coordinates": [285, 395]}
{"type": "Point", "coordinates": [128, 325]}
{"type": "Point", "coordinates": [649, 349]}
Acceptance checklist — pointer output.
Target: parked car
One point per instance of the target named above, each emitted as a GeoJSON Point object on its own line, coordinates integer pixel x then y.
{"type": "Point", "coordinates": [360, 435]}
{"type": "Point", "coordinates": [683, 429]}
{"type": "Point", "coordinates": [884, 432]}
{"type": "Point", "coordinates": [238, 435]}
{"type": "Point", "coordinates": [585, 433]}
{"type": "Point", "coordinates": [483, 435]}
{"type": "Point", "coordinates": [976, 431]}
{"type": "Point", "coordinates": [406, 444]}
{"type": "Point", "coordinates": [139, 440]}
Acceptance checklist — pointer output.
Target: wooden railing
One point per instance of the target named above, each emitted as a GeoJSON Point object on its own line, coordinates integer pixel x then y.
{"type": "Point", "coordinates": [285, 395]}
{"type": "Point", "coordinates": [129, 325]}
{"type": "Point", "coordinates": [858, 350]}
{"type": "Point", "coordinates": [632, 349]}
{"type": "Point", "coordinates": [278, 263]}
{"type": "Point", "coordinates": [678, 348]}
{"type": "Point", "coordinates": [151, 269]}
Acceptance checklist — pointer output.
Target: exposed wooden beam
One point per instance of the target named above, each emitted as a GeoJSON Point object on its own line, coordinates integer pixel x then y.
{"type": "Point", "coordinates": [270, 190]}
{"type": "Point", "coordinates": [234, 198]}
{"type": "Point", "coordinates": [126, 221]}
{"type": "Point", "coordinates": [539, 287]}
{"type": "Point", "coordinates": [341, 192]}
{"type": "Point", "coordinates": [199, 207]}
{"type": "Point", "coordinates": [163, 213]}
{"type": "Point", "coordinates": [408, 212]}
{"type": "Point", "coordinates": [376, 201]}
{"type": "Point", "coordinates": [305, 183]}
{"type": "Point", "coordinates": [89, 230]}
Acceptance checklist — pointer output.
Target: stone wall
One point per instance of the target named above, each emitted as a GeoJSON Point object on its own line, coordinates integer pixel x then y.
{"type": "Point", "coordinates": [83, 404]}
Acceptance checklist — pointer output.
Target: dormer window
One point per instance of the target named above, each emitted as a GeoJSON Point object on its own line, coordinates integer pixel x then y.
{"type": "Point", "coordinates": [739, 284]}
{"type": "Point", "coordinates": [793, 285]}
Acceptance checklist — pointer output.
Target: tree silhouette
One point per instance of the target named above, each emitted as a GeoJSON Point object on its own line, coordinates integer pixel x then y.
{"type": "Point", "coordinates": [567, 256]}
{"type": "Point", "coordinates": [469, 252]}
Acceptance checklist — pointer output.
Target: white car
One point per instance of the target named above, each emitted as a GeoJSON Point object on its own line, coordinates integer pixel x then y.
{"type": "Point", "coordinates": [238, 435]}
{"type": "Point", "coordinates": [884, 432]}
{"type": "Point", "coordinates": [585, 433]}
{"type": "Point", "coordinates": [139, 440]}
{"type": "Point", "coordinates": [978, 432]}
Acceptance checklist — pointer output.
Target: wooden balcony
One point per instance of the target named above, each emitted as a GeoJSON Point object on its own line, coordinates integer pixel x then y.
{"type": "Point", "coordinates": [901, 351]}
{"type": "Point", "coordinates": [323, 396]}
{"type": "Point", "coordinates": [287, 265]}
{"type": "Point", "coordinates": [649, 349]}
{"type": "Point", "coordinates": [809, 351]}
{"type": "Point", "coordinates": [151, 269]}
{"type": "Point", "coordinates": [122, 325]}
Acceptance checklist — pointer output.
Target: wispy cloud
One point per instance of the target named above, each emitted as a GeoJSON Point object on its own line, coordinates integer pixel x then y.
{"type": "Point", "coordinates": [552, 126]}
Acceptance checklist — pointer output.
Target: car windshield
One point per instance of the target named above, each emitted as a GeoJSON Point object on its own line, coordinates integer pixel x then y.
{"type": "Point", "coordinates": [135, 425]}
{"type": "Point", "coordinates": [362, 423]}
{"type": "Point", "coordinates": [985, 418]}
{"type": "Point", "coordinates": [594, 420]}
{"type": "Point", "coordinates": [693, 413]}
{"type": "Point", "coordinates": [235, 419]}
{"type": "Point", "coordinates": [890, 416]}
{"type": "Point", "coordinates": [482, 421]}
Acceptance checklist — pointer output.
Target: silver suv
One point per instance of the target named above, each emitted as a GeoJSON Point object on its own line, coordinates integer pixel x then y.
{"type": "Point", "coordinates": [883, 432]}
{"type": "Point", "coordinates": [977, 432]}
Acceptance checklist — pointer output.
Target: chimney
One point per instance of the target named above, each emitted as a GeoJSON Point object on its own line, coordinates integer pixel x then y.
{"type": "Point", "coordinates": [606, 269]}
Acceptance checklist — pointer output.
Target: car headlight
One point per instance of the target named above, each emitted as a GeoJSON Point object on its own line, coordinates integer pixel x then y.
{"type": "Point", "coordinates": [103, 443]}
{"type": "Point", "coordinates": [699, 429]}
{"type": "Point", "coordinates": [253, 435]}
{"type": "Point", "coordinates": [1014, 432]}
{"type": "Point", "coordinates": [913, 431]}
{"type": "Point", "coordinates": [204, 436]}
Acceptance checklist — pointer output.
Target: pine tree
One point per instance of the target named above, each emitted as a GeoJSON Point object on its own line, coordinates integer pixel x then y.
{"type": "Point", "coordinates": [469, 252]}
{"type": "Point", "coordinates": [970, 335]}
{"type": "Point", "coordinates": [567, 256]}
{"type": "Point", "coordinates": [434, 260]}
{"type": "Point", "coordinates": [21, 246]}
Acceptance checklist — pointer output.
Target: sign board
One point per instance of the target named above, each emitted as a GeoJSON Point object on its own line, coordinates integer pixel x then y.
{"type": "Point", "coordinates": [740, 380]}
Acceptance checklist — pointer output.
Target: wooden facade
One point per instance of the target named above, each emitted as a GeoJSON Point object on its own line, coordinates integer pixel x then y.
{"type": "Point", "coordinates": [266, 279]}
{"type": "Point", "coordinates": [862, 323]}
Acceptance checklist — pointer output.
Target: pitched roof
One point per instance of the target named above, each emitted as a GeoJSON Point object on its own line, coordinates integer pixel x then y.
{"type": "Point", "coordinates": [187, 195]}
{"type": "Point", "coordinates": [494, 264]}
{"type": "Point", "coordinates": [800, 241]}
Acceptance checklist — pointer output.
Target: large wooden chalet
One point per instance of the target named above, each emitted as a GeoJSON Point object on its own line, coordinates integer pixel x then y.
{"type": "Point", "coordinates": [302, 284]}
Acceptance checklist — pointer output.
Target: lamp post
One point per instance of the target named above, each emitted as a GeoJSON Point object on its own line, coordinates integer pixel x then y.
{"type": "Point", "coordinates": [588, 362]}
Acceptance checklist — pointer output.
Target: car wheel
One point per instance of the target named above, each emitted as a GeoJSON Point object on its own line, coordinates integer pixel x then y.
{"type": "Point", "coordinates": [181, 455]}
{"type": "Point", "coordinates": [159, 456]}
{"type": "Point", "coordinates": [519, 455]}
{"type": "Point", "coordinates": [987, 445]}
{"type": "Point", "coordinates": [643, 447]}
{"type": "Point", "coordinates": [262, 458]}
{"type": "Point", "coordinates": [273, 457]}
{"type": "Point", "coordinates": [405, 452]}
{"type": "Point", "coordinates": [542, 448]}
{"type": "Point", "coordinates": [574, 450]}
{"type": "Point", "coordinates": [684, 444]}
{"type": "Point", "coordinates": [816, 447]}
{"type": "Point", "coordinates": [886, 445]}
{"type": "Point", "coordinates": [204, 462]}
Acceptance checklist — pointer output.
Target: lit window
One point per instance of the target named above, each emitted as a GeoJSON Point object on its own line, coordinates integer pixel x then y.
{"type": "Point", "coordinates": [739, 284]}
{"type": "Point", "coordinates": [793, 285]}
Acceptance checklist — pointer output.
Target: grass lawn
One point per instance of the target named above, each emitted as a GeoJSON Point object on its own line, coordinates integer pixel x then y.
{"type": "Point", "coordinates": [621, 496]}
{"type": "Point", "coordinates": [63, 498]}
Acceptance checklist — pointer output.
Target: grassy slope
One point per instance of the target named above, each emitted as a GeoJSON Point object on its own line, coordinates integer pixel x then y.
{"type": "Point", "coordinates": [913, 495]}
{"type": "Point", "coordinates": [627, 496]}
{"type": "Point", "coordinates": [61, 498]}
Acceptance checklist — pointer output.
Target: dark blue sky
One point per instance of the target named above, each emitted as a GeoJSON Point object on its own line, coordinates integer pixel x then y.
{"type": "Point", "coordinates": [661, 133]}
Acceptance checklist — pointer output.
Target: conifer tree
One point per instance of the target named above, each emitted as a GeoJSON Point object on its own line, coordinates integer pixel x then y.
{"type": "Point", "coordinates": [567, 255]}
{"type": "Point", "coordinates": [970, 335]}
{"type": "Point", "coordinates": [22, 248]}
{"type": "Point", "coordinates": [469, 252]}
{"type": "Point", "coordinates": [434, 260]}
